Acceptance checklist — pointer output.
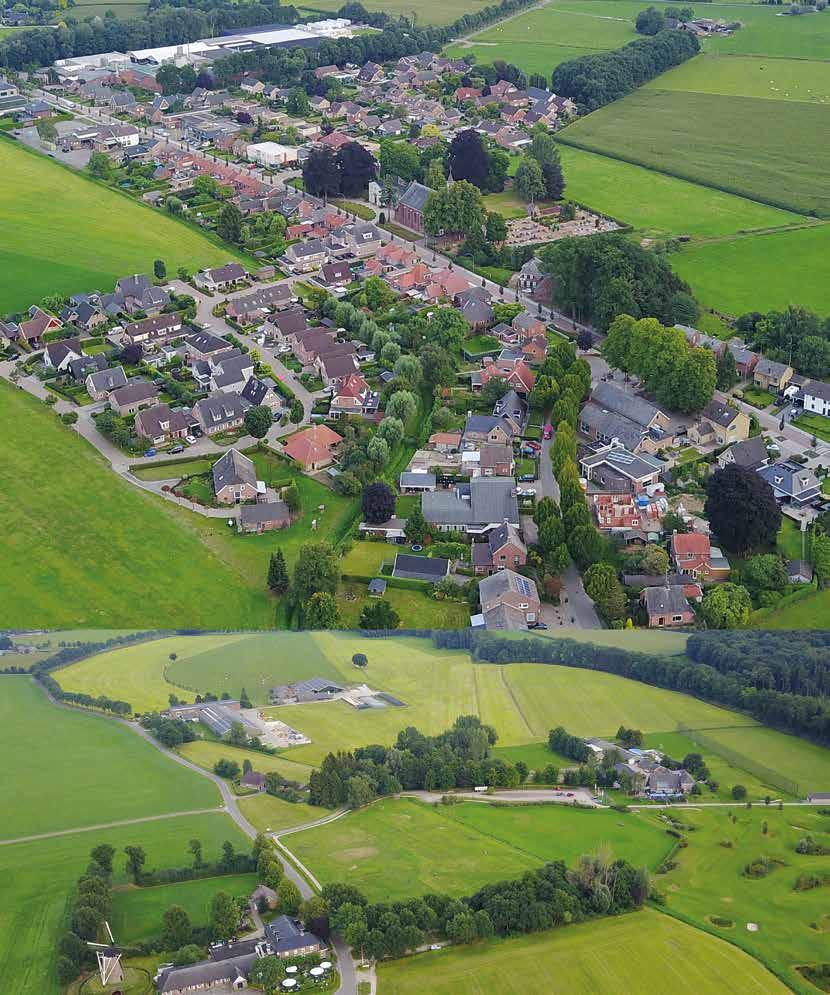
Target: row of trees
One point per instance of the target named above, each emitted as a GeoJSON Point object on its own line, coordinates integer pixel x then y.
{"type": "Point", "coordinates": [680, 376]}
{"type": "Point", "coordinates": [795, 336]}
{"type": "Point", "coordinates": [562, 742]}
{"type": "Point", "coordinates": [803, 715]}
{"type": "Point", "coordinates": [344, 173]}
{"type": "Point", "coordinates": [592, 81]}
{"type": "Point", "coordinates": [89, 905]}
{"type": "Point", "coordinates": [458, 758]}
{"type": "Point", "coordinates": [544, 898]}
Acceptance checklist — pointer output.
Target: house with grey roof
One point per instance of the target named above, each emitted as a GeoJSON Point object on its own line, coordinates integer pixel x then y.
{"type": "Point", "coordinates": [61, 352]}
{"type": "Point", "coordinates": [204, 345]}
{"type": "Point", "coordinates": [428, 568]}
{"type": "Point", "coordinates": [751, 454]}
{"type": "Point", "coordinates": [135, 293]}
{"type": "Point", "coordinates": [817, 398]}
{"type": "Point", "coordinates": [220, 412]}
{"type": "Point", "coordinates": [508, 600]}
{"type": "Point", "coordinates": [131, 398]}
{"type": "Point", "coordinates": [160, 424]}
{"type": "Point", "coordinates": [101, 383]}
{"type": "Point", "coordinates": [413, 482]}
{"type": "Point", "coordinates": [475, 507]}
{"type": "Point", "coordinates": [667, 606]}
{"type": "Point", "coordinates": [482, 429]}
{"type": "Point", "coordinates": [720, 424]}
{"type": "Point", "coordinates": [234, 478]}
{"type": "Point", "coordinates": [771, 376]}
{"type": "Point", "coordinates": [512, 409]}
{"type": "Point", "coordinates": [80, 369]}
{"type": "Point", "coordinates": [612, 413]}
{"type": "Point", "coordinates": [264, 516]}
{"type": "Point", "coordinates": [409, 211]}
{"type": "Point", "coordinates": [792, 483]}
{"type": "Point", "coordinates": [616, 470]}
{"type": "Point", "coordinates": [503, 549]}
{"type": "Point", "coordinates": [232, 374]}
{"type": "Point", "coordinates": [220, 278]}
{"type": "Point", "coordinates": [304, 257]}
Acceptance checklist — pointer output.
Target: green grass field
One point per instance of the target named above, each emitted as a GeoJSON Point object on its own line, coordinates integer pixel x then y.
{"type": "Point", "coordinates": [760, 272]}
{"type": "Point", "coordinates": [643, 952]}
{"type": "Point", "coordinates": [417, 609]}
{"type": "Point", "coordinates": [137, 912]}
{"type": "Point", "coordinates": [766, 150]}
{"type": "Point", "coordinates": [67, 769]}
{"type": "Point", "coordinates": [206, 752]}
{"type": "Point", "coordinates": [708, 881]}
{"type": "Point", "coordinates": [63, 233]}
{"type": "Point", "coordinates": [765, 32]}
{"type": "Point", "coordinates": [108, 554]}
{"type": "Point", "coordinates": [742, 76]}
{"type": "Point", "coordinates": [815, 424]}
{"type": "Point", "coordinates": [268, 813]}
{"type": "Point", "coordinates": [36, 879]}
{"type": "Point", "coordinates": [388, 850]}
{"type": "Point", "coordinates": [656, 204]}
{"type": "Point", "coordinates": [427, 12]}
{"type": "Point", "coordinates": [802, 610]}
{"type": "Point", "coordinates": [81, 11]}
{"type": "Point", "coordinates": [639, 640]}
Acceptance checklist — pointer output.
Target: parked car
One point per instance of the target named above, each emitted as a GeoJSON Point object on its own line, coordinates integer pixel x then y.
{"type": "Point", "coordinates": [526, 492]}
{"type": "Point", "coordinates": [190, 439]}
{"type": "Point", "coordinates": [548, 432]}
{"type": "Point", "coordinates": [537, 625]}
{"type": "Point", "coordinates": [150, 452]}
{"type": "Point", "coordinates": [177, 449]}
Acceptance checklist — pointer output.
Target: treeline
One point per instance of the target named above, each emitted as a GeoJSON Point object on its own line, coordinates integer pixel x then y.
{"type": "Point", "coordinates": [169, 732]}
{"type": "Point", "coordinates": [101, 702]}
{"type": "Point", "coordinates": [89, 906]}
{"type": "Point", "coordinates": [791, 662]}
{"type": "Point", "coordinates": [595, 80]}
{"type": "Point", "coordinates": [459, 758]}
{"type": "Point", "coordinates": [573, 747]}
{"type": "Point", "coordinates": [795, 336]}
{"type": "Point", "coordinates": [803, 715]}
{"type": "Point", "coordinates": [596, 279]}
{"type": "Point", "coordinates": [541, 899]}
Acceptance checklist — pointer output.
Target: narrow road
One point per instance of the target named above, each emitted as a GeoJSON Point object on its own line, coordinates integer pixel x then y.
{"type": "Point", "coordinates": [507, 797]}
{"type": "Point", "coordinates": [110, 825]}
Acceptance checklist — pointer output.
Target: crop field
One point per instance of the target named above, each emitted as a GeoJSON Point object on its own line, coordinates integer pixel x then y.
{"type": "Point", "coordinates": [63, 233]}
{"type": "Point", "coordinates": [81, 11]}
{"type": "Point", "coordinates": [709, 881]}
{"type": "Point", "coordinates": [639, 640]}
{"type": "Point", "coordinates": [743, 76]}
{"type": "Point", "coordinates": [426, 11]}
{"type": "Point", "coordinates": [137, 912]}
{"type": "Point", "coordinates": [157, 571]}
{"type": "Point", "coordinates": [751, 146]}
{"type": "Point", "coordinates": [268, 813]}
{"type": "Point", "coordinates": [36, 878]}
{"type": "Point", "coordinates": [643, 952]}
{"type": "Point", "coordinates": [388, 850]}
{"type": "Point", "coordinates": [761, 272]}
{"type": "Point", "coordinates": [67, 768]}
{"type": "Point", "coordinates": [766, 32]}
{"type": "Point", "coordinates": [206, 752]}
{"type": "Point", "coordinates": [657, 204]}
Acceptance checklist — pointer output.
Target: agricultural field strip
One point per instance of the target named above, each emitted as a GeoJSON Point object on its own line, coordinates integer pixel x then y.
{"type": "Point", "coordinates": [110, 825]}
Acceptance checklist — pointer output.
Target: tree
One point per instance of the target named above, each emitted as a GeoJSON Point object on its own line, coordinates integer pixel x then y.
{"type": "Point", "coordinates": [174, 205]}
{"type": "Point", "coordinates": [379, 615]}
{"type": "Point", "coordinates": [291, 496]}
{"type": "Point", "coordinates": [66, 970]}
{"type": "Point", "coordinates": [360, 791]}
{"type": "Point", "coordinates": [103, 856]}
{"type": "Point", "coordinates": [377, 503]}
{"type": "Point", "coordinates": [100, 166]}
{"type": "Point", "coordinates": [400, 159]}
{"type": "Point", "coordinates": [494, 390]}
{"type": "Point", "coordinates": [160, 269]}
{"type": "Point", "coordinates": [296, 411]}
{"type": "Point", "coordinates": [390, 429]}
{"type": "Point", "coordinates": [727, 372]}
{"type": "Point", "coordinates": [402, 405]}
{"type": "Point", "coordinates": [195, 847]}
{"type": "Point", "coordinates": [136, 858]}
{"type": "Point", "coordinates": [224, 917]}
{"type": "Point", "coordinates": [764, 573]}
{"type": "Point", "coordinates": [468, 159]}
{"type": "Point", "coordinates": [654, 560]}
{"type": "Point", "coordinates": [462, 928]}
{"type": "Point", "coordinates": [416, 525]}
{"type": "Point", "coordinates": [278, 573]}
{"type": "Point", "coordinates": [288, 897]}
{"type": "Point", "coordinates": [742, 509]}
{"type": "Point", "coordinates": [267, 972]}
{"type": "Point", "coordinates": [408, 372]}
{"type": "Point", "coordinates": [649, 21]}
{"type": "Point", "coordinates": [321, 611]}
{"type": "Point", "coordinates": [226, 768]}
{"type": "Point", "coordinates": [258, 420]}
{"type": "Point", "coordinates": [586, 545]}
{"type": "Point", "coordinates": [321, 172]}
{"type": "Point", "coordinates": [229, 224]}
{"type": "Point", "coordinates": [379, 295]}
{"type": "Point", "coordinates": [496, 227]}
{"type": "Point", "coordinates": [726, 606]}
{"type": "Point", "coordinates": [738, 792]}
{"type": "Point", "coordinates": [529, 182]}
{"type": "Point", "coordinates": [458, 208]}
{"type": "Point", "coordinates": [297, 103]}
{"type": "Point", "coordinates": [357, 167]}
{"type": "Point", "coordinates": [599, 579]}
{"type": "Point", "coordinates": [316, 569]}
{"type": "Point", "coordinates": [360, 660]}
{"type": "Point", "coordinates": [176, 929]}
{"type": "Point", "coordinates": [434, 175]}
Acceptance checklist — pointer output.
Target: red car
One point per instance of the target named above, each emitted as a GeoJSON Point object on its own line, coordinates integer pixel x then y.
{"type": "Point", "coordinates": [548, 432]}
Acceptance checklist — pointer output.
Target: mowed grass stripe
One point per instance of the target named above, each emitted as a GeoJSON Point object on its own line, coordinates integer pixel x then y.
{"type": "Point", "coordinates": [644, 952]}
{"type": "Point", "coordinates": [64, 233]}
{"type": "Point", "coordinates": [66, 768]}
{"type": "Point", "coordinates": [770, 151]}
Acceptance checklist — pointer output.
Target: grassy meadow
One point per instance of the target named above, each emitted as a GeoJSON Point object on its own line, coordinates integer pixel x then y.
{"type": "Point", "coordinates": [642, 952]}
{"type": "Point", "coordinates": [107, 553]}
{"type": "Point", "coordinates": [388, 850]}
{"type": "Point", "coordinates": [67, 769]}
{"type": "Point", "coordinates": [709, 880]}
{"type": "Point", "coordinates": [64, 233]}
{"type": "Point", "coordinates": [137, 912]}
{"type": "Point", "coordinates": [805, 610]}
{"type": "Point", "coordinates": [205, 753]}
{"type": "Point", "coordinates": [36, 879]}
{"type": "Point", "coordinates": [426, 12]}
{"type": "Point", "coordinates": [269, 814]}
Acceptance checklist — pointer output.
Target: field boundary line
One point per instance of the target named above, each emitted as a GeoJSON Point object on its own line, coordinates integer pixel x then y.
{"type": "Point", "coordinates": [515, 700]}
{"type": "Point", "coordinates": [112, 825]}
{"type": "Point", "coordinates": [298, 864]}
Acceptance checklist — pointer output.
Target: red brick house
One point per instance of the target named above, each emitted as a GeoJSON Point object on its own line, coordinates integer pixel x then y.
{"type": "Point", "coordinates": [667, 607]}
{"type": "Point", "coordinates": [694, 556]}
{"type": "Point", "coordinates": [503, 549]}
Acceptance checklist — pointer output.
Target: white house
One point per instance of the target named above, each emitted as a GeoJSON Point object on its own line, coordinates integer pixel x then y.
{"type": "Point", "coordinates": [271, 154]}
{"type": "Point", "coordinates": [817, 398]}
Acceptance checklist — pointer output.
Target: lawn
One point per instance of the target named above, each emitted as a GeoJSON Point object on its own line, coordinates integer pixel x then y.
{"type": "Point", "coordinates": [536, 755]}
{"type": "Point", "coordinates": [107, 553]}
{"type": "Point", "coordinates": [757, 397]}
{"type": "Point", "coordinates": [173, 470]}
{"type": "Point", "coordinates": [366, 557]}
{"type": "Point", "coordinates": [789, 540]}
{"type": "Point", "coordinates": [268, 813]}
{"type": "Point", "coordinates": [78, 228]}
{"type": "Point", "coordinates": [638, 640]}
{"type": "Point", "coordinates": [137, 912]}
{"type": "Point", "coordinates": [355, 207]}
{"type": "Point", "coordinates": [67, 768]}
{"type": "Point", "coordinates": [205, 753]}
{"type": "Point", "coordinates": [808, 609]}
{"type": "Point", "coordinates": [643, 952]}
{"type": "Point", "coordinates": [388, 850]}
{"type": "Point", "coordinates": [417, 608]}
{"type": "Point", "coordinates": [657, 204]}
{"type": "Point", "coordinates": [36, 879]}
{"type": "Point", "coordinates": [765, 32]}
{"type": "Point", "coordinates": [427, 12]}
{"type": "Point", "coordinates": [760, 272]}
{"type": "Point", "coordinates": [767, 150]}
{"type": "Point", "coordinates": [508, 204]}
{"type": "Point", "coordinates": [814, 424]}
{"type": "Point", "coordinates": [709, 881]}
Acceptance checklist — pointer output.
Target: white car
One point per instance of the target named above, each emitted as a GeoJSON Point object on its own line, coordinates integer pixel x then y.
{"type": "Point", "coordinates": [526, 492]}
{"type": "Point", "coordinates": [190, 439]}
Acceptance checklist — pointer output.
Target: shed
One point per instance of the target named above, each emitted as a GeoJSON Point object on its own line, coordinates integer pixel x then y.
{"type": "Point", "coordinates": [377, 587]}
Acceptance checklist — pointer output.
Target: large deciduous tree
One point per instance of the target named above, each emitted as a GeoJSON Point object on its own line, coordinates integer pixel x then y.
{"type": "Point", "coordinates": [357, 167]}
{"type": "Point", "coordinates": [469, 159]}
{"type": "Point", "coordinates": [377, 503]}
{"type": "Point", "coordinates": [742, 510]}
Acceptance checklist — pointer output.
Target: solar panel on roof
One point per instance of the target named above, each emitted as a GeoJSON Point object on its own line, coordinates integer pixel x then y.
{"type": "Point", "coordinates": [523, 585]}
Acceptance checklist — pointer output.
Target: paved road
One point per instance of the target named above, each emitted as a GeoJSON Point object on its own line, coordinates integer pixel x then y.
{"type": "Point", "coordinates": [539, 795]}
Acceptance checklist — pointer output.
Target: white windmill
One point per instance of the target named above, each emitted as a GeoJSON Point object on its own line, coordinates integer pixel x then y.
{"type": "Point", "coordinates": [109, 960]}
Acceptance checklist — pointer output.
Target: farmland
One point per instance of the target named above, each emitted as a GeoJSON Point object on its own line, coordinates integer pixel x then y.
{"type": "Point", "coordinates": [746, 145]}
{"type": "Point", "coordinates": [137, 912]}
{"type": "Point", "coordinates": [709, 881]}
{"type": "Point", "coordinates": [657, 204]}
{"type": "Point", "coordinates": [760, 272]}
{"type": "Point", "coordinates": [78, 227]}
{"type": "Point", "coordinates": [165, 569]}
{"type": "Point", "coordinates": [36, 879]}
{"type": "Point", "coordinates": [206, 752]}
{"type": "Point", "coordinates": [268, 813]}
{"type": "Point", "coordinates": [427, 11]}
{"type": "Point", "coordinates": [638, 952]}
{"type": "Point", "coordinates": [388, 850]}
{"type": "Point", "coordinates": [68, 769]}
